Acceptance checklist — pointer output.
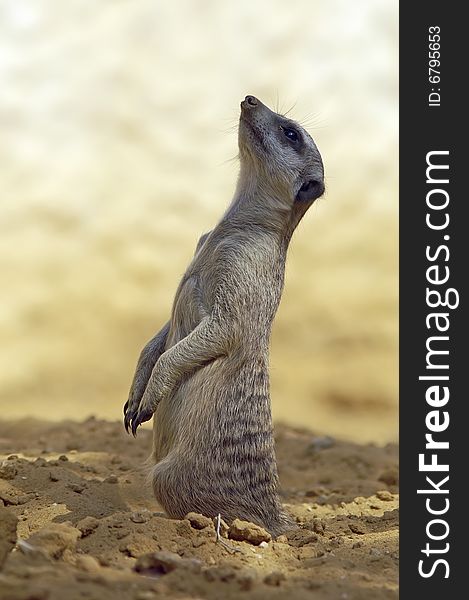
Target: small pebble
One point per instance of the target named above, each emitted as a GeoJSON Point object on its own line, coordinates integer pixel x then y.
{"type": "Point", "coordinates": [88, 563]}
{"type": "Point", "coordinates": [384, 495]}
{"type": "Point", "coordinates": [111, 479]}
{"type": "Point", "coordinates": [321, 443]}
{"type": "Point", "coordinates": [199, 521]}
{"type": "Point", "coordinates": [76, 487]}
{"type": "Point", "coordinates": [357, 528]}
{"type": "Point", "coordinates": [275, 578]}
{"type": "Point", "coordinates": [87, 525]}
{"type": "Point", "coordinates": [163, 562]}
{"type": "Point", "coordinates": [140, 517]}
{"type": "Point", "coordinates": [282, 539]}
{"type": "Point", "coordinates": [244, 531]}
{"type": "Point", "coordinates": [7, 471]}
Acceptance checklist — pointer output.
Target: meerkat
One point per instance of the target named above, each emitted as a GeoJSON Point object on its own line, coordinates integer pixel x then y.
{"type": "Point", "coordinates": [205, 376]}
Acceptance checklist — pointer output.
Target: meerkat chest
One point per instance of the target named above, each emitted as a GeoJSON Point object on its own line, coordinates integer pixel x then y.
{"type": "Point", "coordinates": [246, 276]}
{"type": "Point", "coordinates": [253, 274]}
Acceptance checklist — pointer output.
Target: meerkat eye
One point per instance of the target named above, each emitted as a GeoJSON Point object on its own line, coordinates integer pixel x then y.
{"type": "Point", "coordinates": [290, 134]}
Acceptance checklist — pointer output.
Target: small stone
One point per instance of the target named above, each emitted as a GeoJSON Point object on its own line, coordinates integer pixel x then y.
{"type": "Point", "coordinates": [357, 545]}
{"type": "Point", "coordinates": [163, 562]}
{"type": "Point", "coordinates": [336, 542]}
{"type": "Point", "coordinates": [111, 479]}
{"type": "Point", "coordinates": [282, 539]}
{"type": "Point", "coordinates": [8, 499]}
{"type": "Point", "coordinates": [263, 545]}
{"type": "Point", "coordinates": [27, 498]}
{"type": "Point", "coordinates": [63, 458]}
{"type": "Point", "coordinates": [316, 525]}
{"type": "Point", "coordinates": [199, 521]}
{"type": "Point", "coordinates": [8, 471]}
{"type": "Point", "coordinates": [55, 539]}
{"type": "Point", "coordinates": [384, 495]}
{"type": "Point", "coordinates": [40, 462]}
{"type": "Point", "coordinates": [275, 578]}
{"type": "Point", "coordinates": [321, 443]}
{"type": "Point", "coordinates": [77, 487]}
{"type": "Point", "coordinates": [198, 542]}
{"type": "Point", "coordinates": [120, 535]}
{"type": "Point", "coordinates": [53, 476]}
{"type": "Point", "coordinates": [140, 517]}
{"type": "Point", "coordinates": [87, 563]}
{"type": "Point", "coordinates": [243, 531]}
{"type": "Point", "coordinates": [301, 537]}
{"type": "Point", "coordinates": [183, 528]}
{"type": "Point", "coordinates": [357, 528]}
{"type": "Point", "coordinates": [87, 525]}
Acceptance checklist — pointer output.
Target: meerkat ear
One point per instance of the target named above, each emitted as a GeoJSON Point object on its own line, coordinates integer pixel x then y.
{"type": "Point", "coordinates": [310, 190]}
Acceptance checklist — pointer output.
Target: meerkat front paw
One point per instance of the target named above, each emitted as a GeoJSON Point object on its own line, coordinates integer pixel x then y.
{"type": "Point", "coordinates": [139, 384]}
{"type": "Point", "coordinates": [135, 414]}
{"type": "Point", "coordinates": [130, 410]}
{"type": "Point", "coordinates": [159, 387]}
{"type": "Point", "coordinates": [151, 398]}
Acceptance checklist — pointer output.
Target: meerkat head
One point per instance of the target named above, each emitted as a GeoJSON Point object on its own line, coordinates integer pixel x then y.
{"type": "Point", "coordinates": [279, 152]}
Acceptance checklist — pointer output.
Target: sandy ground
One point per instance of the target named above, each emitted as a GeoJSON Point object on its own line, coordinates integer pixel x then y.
{"type": "Point", "coordinates": [86, 519]}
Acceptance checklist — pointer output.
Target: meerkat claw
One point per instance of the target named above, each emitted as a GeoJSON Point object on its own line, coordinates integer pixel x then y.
{"type": "Point", "coordinates": [127, 422]}
{"type": "Point", "coordinates": [140, 417]}
{"type": "Point", "coordinates": [129, 417]}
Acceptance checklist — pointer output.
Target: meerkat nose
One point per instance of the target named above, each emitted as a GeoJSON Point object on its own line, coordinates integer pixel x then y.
{"type": "Point", "coordinates": [251, 100]}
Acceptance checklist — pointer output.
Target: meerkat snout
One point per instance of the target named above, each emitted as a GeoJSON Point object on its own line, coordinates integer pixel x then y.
{"type": "Point", "coordinates": [251, 100]}
{"type": "Point", "coordinates": [282, 150]}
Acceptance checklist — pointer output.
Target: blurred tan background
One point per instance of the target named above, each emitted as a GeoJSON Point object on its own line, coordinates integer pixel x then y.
{"type": "Point", "coordinates": [117, 126]}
